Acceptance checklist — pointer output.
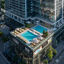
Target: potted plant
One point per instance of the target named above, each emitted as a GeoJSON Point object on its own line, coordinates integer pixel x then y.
{"type": "Point", "coordinates": [27, 25]}
{"type": "Point", "coordinates": [45, 33]}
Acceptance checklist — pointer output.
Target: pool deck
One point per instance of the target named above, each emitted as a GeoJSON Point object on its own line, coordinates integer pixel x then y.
{"type": "Point", "coordinates": [23, 37]}
{"type": "Point", "coordinates": [37, 31]}
{"type": "Point", "coordinates": [41, 26]}
{"type": "Point", "coordinates": [19, 35]}
{"type": "Point", "coordinates": [20, 31]}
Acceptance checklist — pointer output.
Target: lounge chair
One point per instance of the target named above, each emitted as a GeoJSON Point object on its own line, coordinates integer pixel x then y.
{"type": "Point", "coordinates": [35, 40]}
{"type": "Point", "coordinates": [40, 37]}
{"type": "Point", "coordinates": [33, 44]}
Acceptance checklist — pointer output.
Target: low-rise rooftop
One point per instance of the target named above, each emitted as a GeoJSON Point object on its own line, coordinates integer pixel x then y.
{"type": "Point", "coordinates": [32, 36]}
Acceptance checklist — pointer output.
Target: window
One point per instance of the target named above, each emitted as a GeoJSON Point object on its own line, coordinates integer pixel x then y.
{"type": "Point", "coordinates": [15, 17]}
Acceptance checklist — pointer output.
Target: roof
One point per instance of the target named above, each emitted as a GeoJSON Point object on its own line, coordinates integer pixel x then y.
{"type": "Point", "coordinates": [33, 44]}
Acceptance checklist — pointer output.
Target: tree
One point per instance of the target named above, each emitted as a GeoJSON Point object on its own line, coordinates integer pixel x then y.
{"type": "Point", "coordinates": [1, 33]}
{"type": "Point", "coordinates": [54, 51]}
{"type": "Point", "coordinates": [45, 61]}
{"type": "Point", "coordinates": [45, 33]}
{"type": "Point", "coordinates": [50, 54]}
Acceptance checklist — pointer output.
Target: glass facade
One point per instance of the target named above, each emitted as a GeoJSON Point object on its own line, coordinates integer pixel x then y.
{"type": "Point", "coordinates": [21, 8]}
{"type": "Point", "coordinates": [29, 7]}
{"type": "Point", "coordinates": [36, 8]}
{"type": "Point", "coordinates": [16, 7]}
{"type": "Point", "coordinates": [58, 9]}
{"type": "Point", "coordinates": [46, 9]}
{"type": "Point", "coordinates": [51, 9]}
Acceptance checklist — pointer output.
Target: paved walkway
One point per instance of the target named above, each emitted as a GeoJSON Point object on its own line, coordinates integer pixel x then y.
{"type": "Point", "coordinates": [60, 50]}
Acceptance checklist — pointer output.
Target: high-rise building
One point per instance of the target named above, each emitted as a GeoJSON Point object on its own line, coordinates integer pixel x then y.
{"type": "Point", "coordinates": [51, 10]}
{"type": "Point", "coordinates": [18, 9]}
{"type": "Point", "coordinates": [47, 10]}
{"type": "Point", "coordinates": [46, 17]}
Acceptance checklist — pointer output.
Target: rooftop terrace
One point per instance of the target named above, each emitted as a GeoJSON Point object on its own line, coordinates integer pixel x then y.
{"type": "Point", "coordinates": [32, 36]}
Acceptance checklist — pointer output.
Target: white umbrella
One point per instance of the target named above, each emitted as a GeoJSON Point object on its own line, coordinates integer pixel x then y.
{"type": "Point", "coordinates": [39, 37]}
{"type": "Point", "coordinates": [35, 40]}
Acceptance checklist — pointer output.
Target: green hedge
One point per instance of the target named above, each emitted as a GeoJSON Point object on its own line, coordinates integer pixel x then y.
{"type": "Point", "coordinates": [45, 61]}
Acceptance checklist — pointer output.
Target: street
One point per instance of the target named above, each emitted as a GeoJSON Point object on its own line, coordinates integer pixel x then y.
{"type": "Point", "coordinates": [60, 50]}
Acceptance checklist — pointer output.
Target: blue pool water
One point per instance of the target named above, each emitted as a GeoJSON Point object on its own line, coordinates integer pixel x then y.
{"type": "Point", "coordinates": [37, 51]}
{"type": "Point", "coordinates": [28, 35]}
{"type": "Point", "coordinates": [40, 28]}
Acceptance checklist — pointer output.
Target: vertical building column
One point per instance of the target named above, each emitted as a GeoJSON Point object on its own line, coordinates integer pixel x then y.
{"type": "Point", "coordinates": [62, 10]}
{"type": "Point", "coordinates": [33, 61]}
{"type": "Point", "coordinates": [55, 8]}
{"type": "Point", "coordinates": [25, 8]}
{"type": "Point", "coordinates": [39, 58]}
{"type": "Point", "coordinates": [40, 7]}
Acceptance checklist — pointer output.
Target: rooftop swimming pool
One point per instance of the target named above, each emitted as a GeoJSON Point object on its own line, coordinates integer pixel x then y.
{"type": "Point", "coordinates": [28, 35]}
{"type": "Point", "coordinates": [39, 28]}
